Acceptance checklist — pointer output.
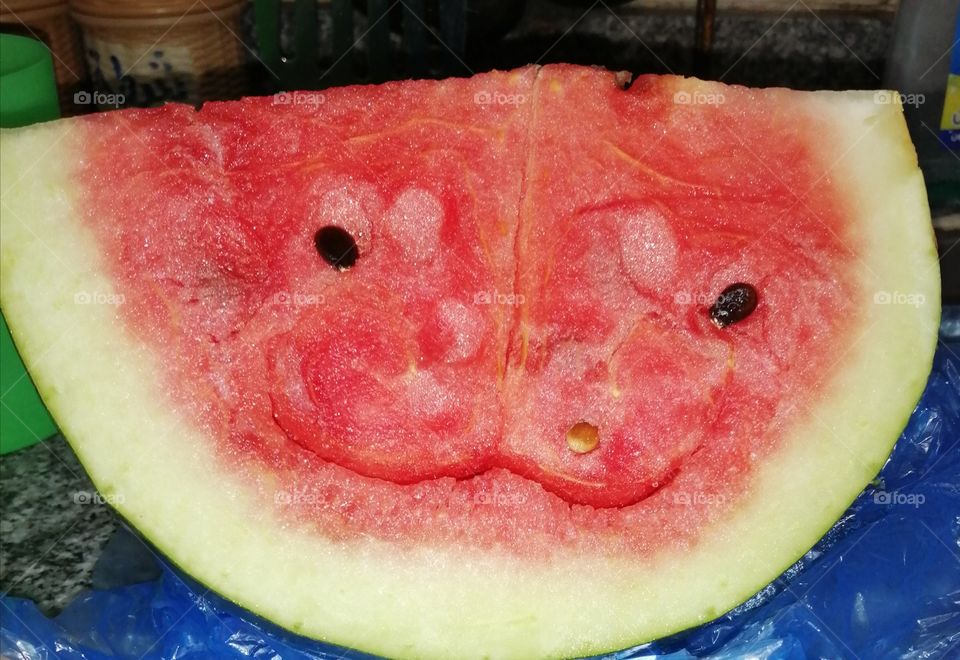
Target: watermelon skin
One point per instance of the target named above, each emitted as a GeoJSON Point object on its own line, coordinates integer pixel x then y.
{"type": "Point", "coordinates": [106, 386]}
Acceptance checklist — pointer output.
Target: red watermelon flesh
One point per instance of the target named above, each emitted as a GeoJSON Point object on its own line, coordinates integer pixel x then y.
{"type": "Point", "coordinates": [390, 370]}
{"type": "Point", "coordinates": [537, 252]}
{"type": "Point", "coordinates": [397, 369]}
{"type": "Point", "coordinates": [633, 222]}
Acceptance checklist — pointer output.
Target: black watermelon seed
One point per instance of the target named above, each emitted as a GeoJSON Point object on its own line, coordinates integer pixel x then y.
{"type": "Point", "coordinates": [336, 246]}
{"type": "Point", "coordinates": [735, 303]}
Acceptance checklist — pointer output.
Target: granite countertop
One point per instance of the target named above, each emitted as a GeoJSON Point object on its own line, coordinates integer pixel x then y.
{"type": "Point", "coordinates": [54, 527]}
{"type": "Point", "coordinates": [799, 49]}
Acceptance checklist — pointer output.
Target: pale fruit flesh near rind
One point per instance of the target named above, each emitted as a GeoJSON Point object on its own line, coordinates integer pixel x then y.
{"type": "Point", "coordinates": [166, 477]}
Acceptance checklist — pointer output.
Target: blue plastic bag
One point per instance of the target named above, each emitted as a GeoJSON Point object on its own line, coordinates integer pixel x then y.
{"type": "Point", "coordinates": [883, 583]}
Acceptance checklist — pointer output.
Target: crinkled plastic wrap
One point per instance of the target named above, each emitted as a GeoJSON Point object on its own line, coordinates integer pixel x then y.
{"type": "Point", "coordinates": [883, 583]}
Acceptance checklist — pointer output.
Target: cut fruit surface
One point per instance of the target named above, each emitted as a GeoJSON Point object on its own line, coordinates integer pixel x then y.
{"type": "Point", "coordinates": [434, 369]}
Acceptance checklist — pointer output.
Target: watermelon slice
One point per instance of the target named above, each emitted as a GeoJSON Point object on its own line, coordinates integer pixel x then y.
{"type": "Point", "coordinates": [527, 364]}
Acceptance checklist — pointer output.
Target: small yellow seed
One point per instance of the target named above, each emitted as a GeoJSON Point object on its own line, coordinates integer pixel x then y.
{"type": "Point", "coordinates": [583, 437]}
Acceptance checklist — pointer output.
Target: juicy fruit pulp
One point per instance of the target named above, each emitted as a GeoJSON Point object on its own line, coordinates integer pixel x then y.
{"type": "Point", "coordinates": [494, 298]}
{"type": "Point", "coordinates": [512, 364]}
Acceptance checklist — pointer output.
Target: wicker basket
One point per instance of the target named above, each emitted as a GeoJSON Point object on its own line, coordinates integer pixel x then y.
{"type": "Point", "coordinates": [49, 21]}
{"type": "Point", "coordinates": [145, 53]}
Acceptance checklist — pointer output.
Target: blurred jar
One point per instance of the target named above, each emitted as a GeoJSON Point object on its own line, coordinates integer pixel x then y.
{"type": "Point", "coordinates": [143, 53]}
{"type": "Point", "coordinates": [49, 21]}
{"type": "Point", "coordinates": [923, 59]}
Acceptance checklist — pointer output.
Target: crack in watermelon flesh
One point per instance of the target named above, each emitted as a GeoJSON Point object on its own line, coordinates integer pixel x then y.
{"type": "Point", "coordinates": [536, 248]}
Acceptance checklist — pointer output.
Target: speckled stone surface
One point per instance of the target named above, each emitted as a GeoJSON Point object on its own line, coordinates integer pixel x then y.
{"type": "Point", "coordinates": [53, 527]}
{"type": "Point", "coordinates": [799, 49]}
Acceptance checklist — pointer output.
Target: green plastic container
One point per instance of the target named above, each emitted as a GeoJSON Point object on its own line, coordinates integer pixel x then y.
{"type": "Point", "coordinates": [28, 94]}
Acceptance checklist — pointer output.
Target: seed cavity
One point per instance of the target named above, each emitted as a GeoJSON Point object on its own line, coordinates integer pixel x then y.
{"type": "Point", "coordinates": [734, 303]}
{"type": "Point", "coordinates": [583, 437]}
{"type": "Point", "coordinates": [336, 246]}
